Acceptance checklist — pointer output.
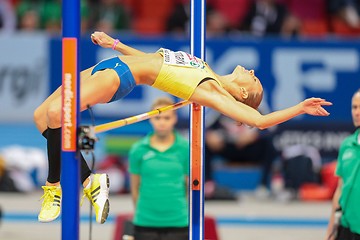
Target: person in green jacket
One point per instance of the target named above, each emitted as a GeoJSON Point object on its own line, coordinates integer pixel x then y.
{"type": "Point", "coordinates": [345, 217]}
{"type": "Point", "coordinates": [159, 168]}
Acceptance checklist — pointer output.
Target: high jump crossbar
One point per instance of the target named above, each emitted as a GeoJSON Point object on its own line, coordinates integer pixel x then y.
{"type": "Point", "coordinates": [134, 119]}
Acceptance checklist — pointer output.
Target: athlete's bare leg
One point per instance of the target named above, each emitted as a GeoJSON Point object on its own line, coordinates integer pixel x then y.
{"type": "Point", "coordinates": [40, 114]}
{"type": "Point", "coordinates": [98, 88]}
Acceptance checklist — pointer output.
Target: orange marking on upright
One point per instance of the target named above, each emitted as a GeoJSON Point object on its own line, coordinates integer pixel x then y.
{"type": "Point", "coordinates": [69, 81]}
{"type": "Point", "coordinates": [196, 146]}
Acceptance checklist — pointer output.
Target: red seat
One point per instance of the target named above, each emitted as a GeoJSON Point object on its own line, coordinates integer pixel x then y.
{"type": "Point", "coordinates": [210, 228]}
{"type": "Point", "coordinates": [307, 9]}
{"type": "Point", "coordinates": [314, 28]}
{"type": "Point", "coordinates": [328, 177]}
{"type": "Point", "coordinates": [341, 28]}
{"type": "Point", "coordinates": [150, 16]}
{"type": "Point", "coordinates": [325, 191]}
{"type": "Point", "coordinates": [120, 221]}
{"type": "Point", "coordinates": [314, 192]}
{"type": "Point", "coordinates": [233, 10]}
{"type": "Point", "coordinates": [148, 26]}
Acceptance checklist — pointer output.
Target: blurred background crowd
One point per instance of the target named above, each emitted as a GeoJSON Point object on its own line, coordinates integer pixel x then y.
{"type": "Point", "coordinates": [258, 18]}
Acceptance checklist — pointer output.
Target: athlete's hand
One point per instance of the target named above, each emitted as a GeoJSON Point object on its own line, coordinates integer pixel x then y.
{"type": "Point", "coordinates": [102, 39]}
{"type": "Point", "coordinates": [314, 106]}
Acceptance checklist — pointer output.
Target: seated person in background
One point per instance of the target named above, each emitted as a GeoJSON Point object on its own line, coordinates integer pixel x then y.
{"type": "Point", "coordinates": [347, 10]}
{"type": "Point", "coordinates": [240, 145]}
{"type": "Point", "coordinates": [177, 22]}
{"type": "Point", "coordinates": [268, 17]}
{"type": "Point", "coordinates": [159, 168]}
{"type": "Point", "coordinates": [301, 164]}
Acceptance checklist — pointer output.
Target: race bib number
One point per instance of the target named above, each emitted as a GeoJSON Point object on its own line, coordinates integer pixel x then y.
{"type": "Point", "coordinates": [182, 59]}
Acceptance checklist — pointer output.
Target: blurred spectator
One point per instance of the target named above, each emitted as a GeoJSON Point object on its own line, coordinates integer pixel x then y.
{"type": "Point", "coordinates": [178, 20]}
{"type": "Point", "coordinates": [29, 15]}
{"type": "Point", "coordinates": [25, 167]}
{"type": "Point", "coordinates": [29, 21]}
{"type": "Point", "coordinates": [301, 164]}
{"type": "Point", "coordinates": [109, 16]}
{"type": "Point", "coordinates": [268, 17]}
{"type": "Point", "coordinates": [85, 15]}
{"type": "Point", "coordinates": [7, 16]}
{"type": "Point", "coordinates": [34, 15]}
{"type": "Point", "coordinates": [6, 182]}
{"type": "Point", "coordinates": [240, 145]}
{"type": "Point", "coordinates": [51, 16]}
{"type": "Point", "coordinates": [216, 23]}
{"type": "Point", "coordinates": [348, 10]}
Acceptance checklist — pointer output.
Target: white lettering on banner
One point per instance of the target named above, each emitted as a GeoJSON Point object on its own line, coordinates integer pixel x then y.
{"type": "Point", "coordinates": [292, 80]}
{"type": "Point", "coordinates": [324, 141]}
{"type": "Point", "coordinates": [68, 97]}
{"type": "Point", "coordinates": [67, 138]}
{"type": "Point", "coordinates": [23, 76]}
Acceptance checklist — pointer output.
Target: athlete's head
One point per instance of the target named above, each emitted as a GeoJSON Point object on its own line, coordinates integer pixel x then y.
{"type": "Point", "coordinates": [251, 90]}
{"type": "Point", "coordinates": [355, 108]}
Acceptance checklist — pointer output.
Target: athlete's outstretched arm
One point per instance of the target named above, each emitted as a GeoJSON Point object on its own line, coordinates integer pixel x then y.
{"type": "Point", "coordinates": [210, 94]}
{"type": "Point", "coordinates": [105, 41]}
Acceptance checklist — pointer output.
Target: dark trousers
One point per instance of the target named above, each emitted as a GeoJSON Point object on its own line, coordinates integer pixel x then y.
{"type": "Point", "coordinates": [166, 233]}
{"type": "Point", "coordinates": [345, 234]}
{"type": "Point", "coordinates": [261, 152]}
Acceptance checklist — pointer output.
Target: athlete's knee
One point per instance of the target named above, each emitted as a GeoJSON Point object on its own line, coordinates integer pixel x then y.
{"type": "Point", "coordinates": [39, 115]}
{"type": "Point", "coordinates": [54, 113]}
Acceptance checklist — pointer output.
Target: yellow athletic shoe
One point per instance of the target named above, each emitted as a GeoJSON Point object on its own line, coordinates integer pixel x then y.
{"type": "Point", "coordinates": [51, 204]}
{"type": "Point", "coordinates": [98, 194]}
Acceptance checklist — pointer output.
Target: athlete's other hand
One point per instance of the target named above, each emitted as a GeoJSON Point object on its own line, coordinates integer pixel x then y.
{"type": "Point", "coordinates": [314, 106]}
{"type": "Point", "coordinates": [102, 39]}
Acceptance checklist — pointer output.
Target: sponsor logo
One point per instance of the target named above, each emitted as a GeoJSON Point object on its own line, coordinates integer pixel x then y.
{"type": "Point", "coordinates": [348, 154]}
{"type": "Point", "coordinates": [67, 110]}
{"type": "Point", "coordinates": [148, 155]}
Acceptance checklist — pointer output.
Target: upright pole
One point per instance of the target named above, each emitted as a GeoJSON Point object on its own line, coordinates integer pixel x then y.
{"type": "Point", "coordinates": [196, 201]}
{"type": "Point", "coordinates": [70, 179]}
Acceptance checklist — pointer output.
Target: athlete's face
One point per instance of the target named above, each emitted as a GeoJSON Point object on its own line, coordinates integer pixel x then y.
{"type": "Point", "coordinates": [246, 80]}
{"type": "Point", "coordinates": [164, 123]}
{"type": "Point", "coordinates": [355, 109]}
